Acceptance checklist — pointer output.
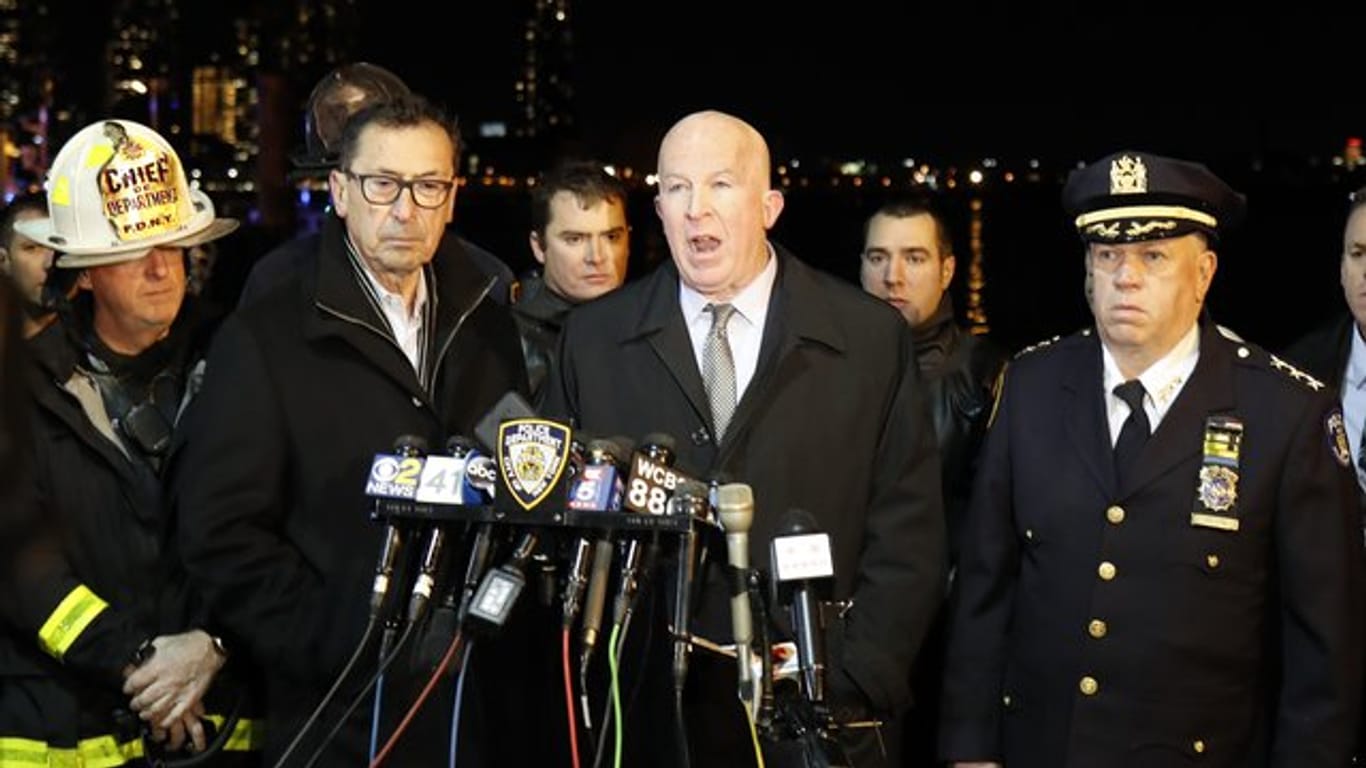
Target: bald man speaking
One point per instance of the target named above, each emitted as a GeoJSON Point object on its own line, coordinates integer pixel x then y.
{"type": "Point", "coordinates": [772, 374]}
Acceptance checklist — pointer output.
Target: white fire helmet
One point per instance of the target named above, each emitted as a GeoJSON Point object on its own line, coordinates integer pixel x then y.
{"type": "Point", "coordinates": [116, 191]}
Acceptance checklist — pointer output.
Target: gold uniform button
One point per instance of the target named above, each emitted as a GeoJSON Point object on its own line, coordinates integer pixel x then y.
{"type": "Point", "coordinates": [1198, 746]}
{"type": "Point", "coordinates": [1029, 533]}
{"type": "Point", "coordinates": [1115, 515]}
{"type": "Point", "coordinates": [1107, 570]}
{"type": "Point", "coordinates": [1097, 628]}
{"type": "Point", "coordinates": [1089, 686]}
{"type": "Point", "coordinates": [1006, 699]}
{"type": "Point", "coordinates": [1212, 560]}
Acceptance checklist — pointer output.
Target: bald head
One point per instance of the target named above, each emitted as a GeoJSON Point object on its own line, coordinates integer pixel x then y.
{"type": "Point", "coordinates": [715, 202]}
{"type": "Point", "coordinates": [718, 129]}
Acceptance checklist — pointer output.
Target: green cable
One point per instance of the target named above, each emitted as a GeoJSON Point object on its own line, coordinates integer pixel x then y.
{"type": "Point", "coordinates": [616, 693]}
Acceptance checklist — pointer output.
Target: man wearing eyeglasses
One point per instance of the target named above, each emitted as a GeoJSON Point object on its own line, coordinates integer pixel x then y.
{"type": "Point", "coordinates": [1161, 563]}
{"type": "Point", "coordinates": [341, 93]}
{"type": "Point", "coordinates": [372, 338]}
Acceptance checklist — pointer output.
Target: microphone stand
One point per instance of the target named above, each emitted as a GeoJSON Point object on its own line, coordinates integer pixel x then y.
{"type": "Point", "coordinates": [764, 717]}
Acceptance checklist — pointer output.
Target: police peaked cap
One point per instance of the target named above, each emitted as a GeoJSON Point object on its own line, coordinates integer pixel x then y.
{"type": "Point", "coordinates": [1132, 196]}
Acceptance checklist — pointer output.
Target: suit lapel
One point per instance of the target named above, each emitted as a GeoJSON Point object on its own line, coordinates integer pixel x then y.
{"type": "Point", "coordinates": [1085, 422]}
{"type": "Point", "coordinates": [1209, 390]}
{"type": "Point", "coordinates": [662, 324]}
{"type": "Point", "coordinates": [785, 330]}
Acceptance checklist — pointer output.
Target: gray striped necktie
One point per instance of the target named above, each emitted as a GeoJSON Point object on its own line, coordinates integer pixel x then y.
{"type": "Point", "coordinates": [718, 369]}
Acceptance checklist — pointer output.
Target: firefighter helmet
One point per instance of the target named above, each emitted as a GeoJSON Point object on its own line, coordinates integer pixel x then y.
{"type": "Point", "coordinates": [116, 190]}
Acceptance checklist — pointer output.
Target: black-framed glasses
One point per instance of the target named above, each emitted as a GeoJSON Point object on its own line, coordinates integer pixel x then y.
{"type": "Point", "coordinates": [380, 189]}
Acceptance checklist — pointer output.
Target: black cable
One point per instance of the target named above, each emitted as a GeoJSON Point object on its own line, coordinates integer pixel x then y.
{"type": "Point", "coordinates": [157, 759]}
{"type": "Point", "coordinates": [681, 725]}
{"type": "Point", "coordinates": [398, 648]}
{"type": "Point", "coordinates": [327, 699]}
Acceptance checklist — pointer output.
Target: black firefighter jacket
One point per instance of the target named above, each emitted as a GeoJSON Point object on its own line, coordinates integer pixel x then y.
{"type": "Point", "coordinates": [304, 386]}
{"type": "Point", "coordinates": [86, 568]}
{"type": "Point", "coordinates": [833, 422]}
{"type": "Point", "coordinates": [1182, 620]}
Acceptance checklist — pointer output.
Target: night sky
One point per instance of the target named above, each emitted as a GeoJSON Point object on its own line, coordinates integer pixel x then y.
{"type": "Point", "coordinates": [945, 80]}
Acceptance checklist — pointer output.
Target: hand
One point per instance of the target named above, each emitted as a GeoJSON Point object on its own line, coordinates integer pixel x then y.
{"type": "Point", "coordinates": [172, 682]}
{"type": "Point", "coordinates": [172, 739]}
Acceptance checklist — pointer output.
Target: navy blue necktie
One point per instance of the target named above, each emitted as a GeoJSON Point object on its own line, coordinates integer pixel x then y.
{"type": "Point", "coordinates": [1135, 431]}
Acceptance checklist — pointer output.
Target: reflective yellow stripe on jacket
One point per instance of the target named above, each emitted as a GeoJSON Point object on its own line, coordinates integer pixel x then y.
{"type": "Point", "coordinates": [107, 752]}
{"type": "Point", "coordinates": [65, 625]}
{"type": "Point", "coordinates": [99, 752]}
{"type": "Point", "coordinates": [247, 735]}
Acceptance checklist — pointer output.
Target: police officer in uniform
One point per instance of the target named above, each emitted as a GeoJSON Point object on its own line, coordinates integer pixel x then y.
{"type": "Point", "coordinates": [1162, 564]}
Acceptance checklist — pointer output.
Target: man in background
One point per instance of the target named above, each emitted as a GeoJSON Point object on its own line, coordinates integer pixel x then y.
{"type": "Point", "coordinates": [580, 238]}
{"type": "Point", "coordinates": [908, 261]}
{"type": "Point", "coordinates": [27, 262]}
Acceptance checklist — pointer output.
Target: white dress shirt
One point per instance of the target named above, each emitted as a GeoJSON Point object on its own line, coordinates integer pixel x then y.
{"type": "Point", "coordinates": [745, 331]}
{"type": "Point", "coordinates": [1162, 382]}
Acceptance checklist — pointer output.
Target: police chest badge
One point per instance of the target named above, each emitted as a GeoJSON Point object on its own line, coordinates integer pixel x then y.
{"type": "Point", "coordinates": [532, 456]}
{"type": "Point", "coordinates": [1337, 438]}
{"type": "Point", "coordinates": [1216, 497]}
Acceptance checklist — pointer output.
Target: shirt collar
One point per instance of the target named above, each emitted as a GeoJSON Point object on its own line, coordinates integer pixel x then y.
{"type": "Point", "coordinates": [390, 301]}
{"type": "Point", "coordinates": [1163, 379]}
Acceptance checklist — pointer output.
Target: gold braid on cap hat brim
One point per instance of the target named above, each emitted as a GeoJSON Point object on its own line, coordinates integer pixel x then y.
{"type": "Point", "coordinates": [1147, 212]}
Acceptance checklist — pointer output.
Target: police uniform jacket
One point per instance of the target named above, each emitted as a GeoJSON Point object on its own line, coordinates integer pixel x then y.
{"type": "Point", "coordinates": [86, 569]}
{"type": "Point", "coordinates": [1096, 625]}
{"type": "Point", "coordinates": [833, 422]}
{"type": "Point", "coordinates": [303, 387]}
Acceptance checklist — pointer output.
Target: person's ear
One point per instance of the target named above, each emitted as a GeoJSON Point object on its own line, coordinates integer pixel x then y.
{"type": "Point", "coordinates": [537, 248]}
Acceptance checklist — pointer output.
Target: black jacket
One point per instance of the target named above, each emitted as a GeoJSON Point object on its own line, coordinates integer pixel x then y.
{"type": "Point", "coordinates": [960, 372]}
{"type": "Point", "coordinates": [304, 386]}
{"type": "Point", "coordinates": [1324, 351]}
{"type": "Point", "coordinates": [1100, 625]}
{"type": "Point", "coordinates": [540, 314]}
{"type": "Point", "coordinates": [88, 541]}
{"type": "Point", "coordinates": [833, 423]}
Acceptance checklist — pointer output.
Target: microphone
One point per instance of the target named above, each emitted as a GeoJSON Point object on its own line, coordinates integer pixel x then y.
{"type": "Point", "coordinates": [409, 448]}
{"type": "Point", "coordinates": [576, 580]}
{"type": "Point", "coordinates": [480, 479]}
{"type": "Point", "coordinates": [689, 499]}
{"type": "Point", "coordinates": [462, 450]}
{"type": "Point", "coordinates": [735, 502]}
{"type": "Point", "coordinates": [659, 449]}
{"type": "Point", "coordinates": [802, 564]}
{"type": "Point", "coordinates": [601, 453]}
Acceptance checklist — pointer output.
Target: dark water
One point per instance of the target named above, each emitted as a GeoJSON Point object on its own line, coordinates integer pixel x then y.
{"type": "Point", "coordinates": [1277, 276]}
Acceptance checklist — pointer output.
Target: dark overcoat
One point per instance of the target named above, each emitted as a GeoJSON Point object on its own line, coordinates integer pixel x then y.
{"type": "Point", "coordinates": [303, 387]}
{"type": "Point", "coordinates": [833, 422]}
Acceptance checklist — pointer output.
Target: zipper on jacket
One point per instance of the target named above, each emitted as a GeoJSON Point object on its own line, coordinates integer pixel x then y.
{"type": "Point", "coordinates": [459, 321]}
{"type": "Point", "coordinates": [436, 364]}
